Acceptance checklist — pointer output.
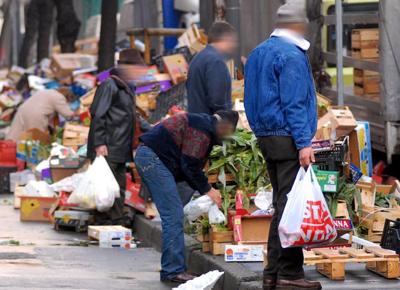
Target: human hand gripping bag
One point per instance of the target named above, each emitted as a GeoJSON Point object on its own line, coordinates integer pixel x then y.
{"type": "Point", "coordinates": [306, 220]}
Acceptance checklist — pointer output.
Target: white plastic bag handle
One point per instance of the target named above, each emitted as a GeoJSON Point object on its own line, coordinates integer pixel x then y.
{"type": "Point", "coordinates": [300, 175]}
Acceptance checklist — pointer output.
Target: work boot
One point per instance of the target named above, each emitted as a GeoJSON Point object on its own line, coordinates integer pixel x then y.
{"type": "Point", "coordinates": [269, 283]}
{"type": "Point", "coordinates": [298, 284]}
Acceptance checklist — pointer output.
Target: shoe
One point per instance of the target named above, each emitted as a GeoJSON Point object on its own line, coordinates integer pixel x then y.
{"type": "Point", "coordinates": [182, 278]}
{"type": "Point", "coordinates": [298, 284]}
{"type": "Point", "coordinates": [269, 283]}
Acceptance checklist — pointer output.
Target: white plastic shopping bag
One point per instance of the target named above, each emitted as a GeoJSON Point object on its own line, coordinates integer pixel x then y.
{"type": "Point", "coordinates": [215, 216]}
{"type": "Point", "coordinates": [195, 208]}
{"type": "Point", "coordinates": [306, 219]}
{"type": "Point", "coordinates": [202, 205]}
{"type": "Point", "coordinates": [97, 188]}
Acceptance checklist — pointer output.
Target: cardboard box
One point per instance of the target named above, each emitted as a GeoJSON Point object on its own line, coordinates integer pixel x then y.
{"type": "Point", "coordinates": [18, 192]}
{"type": "Point", "coordinates": [35, 208]}
{"type": "Point", "coordinates": [58, 174]}
{"type": "Point", "coordinates": [115, 244]}
{"type": "Point", "coordinates": [193, 38]}
{"type": "Point", "coordinates": [64, 64]}
{"type": "Point", "coordinates": [328, 180]}
{"type": "Point", "coordinates": [251, 229]}
{"type": "Point", "coordinates": [342, 120]}
{"type": "Point", "coordinates": [361, 149]}
{"type": "Point", "coordinates": [324, 128]}
{"type": "Point", "coordinates": [244, 253]}
{"type": "Point", "coordinates": [177, 67]}
{"type": "Point", "coordinates": [108, 234]}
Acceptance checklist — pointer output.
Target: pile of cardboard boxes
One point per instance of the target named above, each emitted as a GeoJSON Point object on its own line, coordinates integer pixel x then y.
{"type": "Point", "coordinates": [339, 129]}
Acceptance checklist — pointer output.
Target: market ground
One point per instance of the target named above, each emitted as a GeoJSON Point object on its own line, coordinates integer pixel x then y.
{"type": "Point", "coordinates": [46, 259]}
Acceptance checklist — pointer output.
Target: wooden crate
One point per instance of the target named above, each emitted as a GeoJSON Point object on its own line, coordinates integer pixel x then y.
{"type": "Point", "coordinates": [220, 236]}
{"type": "Point", "coordinates": [218, 249]}
{"type": "Point", "coordinates": [205, 247]}
{"type": "Point", "coordinates": [75, 135]}
{"type": "Point", "coordinates": [365, 43]}
{"type": "Point", "coordinates": [331, 263]}
{"type": "Point", "coordinates": [342, 211]}
{"type": "Point", "coordinates": [218, 241]}
{"type": "Point", "coordinates": [366, 82]}
{"type": "Point", "coordinates": [374, 218]}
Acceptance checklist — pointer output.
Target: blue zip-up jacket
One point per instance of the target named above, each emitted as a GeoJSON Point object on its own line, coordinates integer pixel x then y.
{"type": "Point", "coordinates": [280, 97]}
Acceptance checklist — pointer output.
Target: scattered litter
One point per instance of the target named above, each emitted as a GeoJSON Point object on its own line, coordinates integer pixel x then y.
{"type": "Point", "coordinates": [204, 282]}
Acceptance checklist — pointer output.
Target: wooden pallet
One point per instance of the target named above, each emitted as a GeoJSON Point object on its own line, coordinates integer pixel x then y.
{"type": "Point", "coordinates": [331, 263]}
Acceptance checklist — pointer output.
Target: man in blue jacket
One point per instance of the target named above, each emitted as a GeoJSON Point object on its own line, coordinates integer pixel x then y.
{"type": "Point", "coordinates": [280, 104]}
{"type": "Point", "coordinates": [209, 82]}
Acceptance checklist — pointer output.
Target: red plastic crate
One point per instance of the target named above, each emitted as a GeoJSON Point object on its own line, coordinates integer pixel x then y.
{"type": "Point", "coordinates": [8, 153]}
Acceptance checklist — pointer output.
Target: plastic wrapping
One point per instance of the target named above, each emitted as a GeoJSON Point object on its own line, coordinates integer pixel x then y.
{"type": "Point", "coordinates": [97, 188]}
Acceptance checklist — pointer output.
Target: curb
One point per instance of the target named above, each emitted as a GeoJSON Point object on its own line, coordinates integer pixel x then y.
{"type": "Point", "coordinates": [236, 276]}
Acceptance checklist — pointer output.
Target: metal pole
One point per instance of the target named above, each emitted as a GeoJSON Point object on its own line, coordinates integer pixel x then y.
{"type": "Point", "coordinates": [233, 17]}
{"type": "Point", "coordinates": [339, 51]}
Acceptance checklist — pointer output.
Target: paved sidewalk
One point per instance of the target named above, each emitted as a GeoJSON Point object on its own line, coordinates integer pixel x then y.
{"type": "Point", "coordinates": [46, 259]}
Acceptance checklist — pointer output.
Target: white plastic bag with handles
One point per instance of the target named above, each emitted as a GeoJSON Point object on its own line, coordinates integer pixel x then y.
{"type": "Point", "coordinates": [97, 188]}
{"type": "Point", "coordinates": [202, 205]}
{"type": "Point", "coordinates": [306, 219]}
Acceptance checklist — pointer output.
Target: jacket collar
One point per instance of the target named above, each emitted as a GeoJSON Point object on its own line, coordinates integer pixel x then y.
{"type": "Point", "coordinates": [292, 37]}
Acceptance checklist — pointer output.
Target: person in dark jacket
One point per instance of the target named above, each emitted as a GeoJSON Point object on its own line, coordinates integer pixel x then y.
{"type": "Point", "coordinates": [112, 131]}
{"type": "Point", "coordinates": [281, 107]}
{"type": "Point", "coordinates": [177, 150]}
{"type": "Point", "coordinates": [209, 82]}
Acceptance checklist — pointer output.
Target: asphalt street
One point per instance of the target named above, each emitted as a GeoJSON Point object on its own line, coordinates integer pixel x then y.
{"type": "Point", "coordinates": [34, 256]}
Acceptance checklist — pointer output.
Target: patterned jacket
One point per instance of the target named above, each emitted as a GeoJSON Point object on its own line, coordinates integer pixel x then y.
{"type": "Point", "coordinates": [183, 143]}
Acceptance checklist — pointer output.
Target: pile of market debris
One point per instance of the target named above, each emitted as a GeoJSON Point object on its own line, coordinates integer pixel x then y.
{"type": "Point", "coordinates": [43, 169]}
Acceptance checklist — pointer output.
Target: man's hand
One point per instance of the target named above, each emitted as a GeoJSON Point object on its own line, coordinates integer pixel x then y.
{"type": "Point", "coordinates": [215, 195]}
{"type": "Point", "coordinates": [306, 156]}
{"type": "Point", "coordinates": [101, 150]}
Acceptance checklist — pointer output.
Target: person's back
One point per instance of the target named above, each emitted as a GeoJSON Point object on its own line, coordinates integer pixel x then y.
{"type": "Point", "coordinates": [38, 109]}
{"type": "Point", "coordinates": [269, 99]}
{"type": "Point", "coordinates": [209, 82]}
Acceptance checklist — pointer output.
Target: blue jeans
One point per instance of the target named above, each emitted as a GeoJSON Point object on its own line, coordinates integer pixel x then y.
{"type": "Point", "coordinates": [162, 186]}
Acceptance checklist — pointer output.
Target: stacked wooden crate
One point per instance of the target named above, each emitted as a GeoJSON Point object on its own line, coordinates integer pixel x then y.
{"type": "Point", "coordinates": [219, 239]}
{"type": "Point", "coordinates": [365, 45]}
{"type": "Point", "coordinates": [75, 135]}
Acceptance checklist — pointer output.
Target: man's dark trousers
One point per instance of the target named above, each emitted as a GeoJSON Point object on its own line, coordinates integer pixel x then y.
{"type": "Point", "coordinates": [283, 164]}
{"type": "Point", "coordinates": [115, 215]}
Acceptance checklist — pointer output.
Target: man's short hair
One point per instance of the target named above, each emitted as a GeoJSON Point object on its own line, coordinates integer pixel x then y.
{"type": "Point", "coordinates": [228, 116]}
{"type": "Point", "coordinates": [220, 30]}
